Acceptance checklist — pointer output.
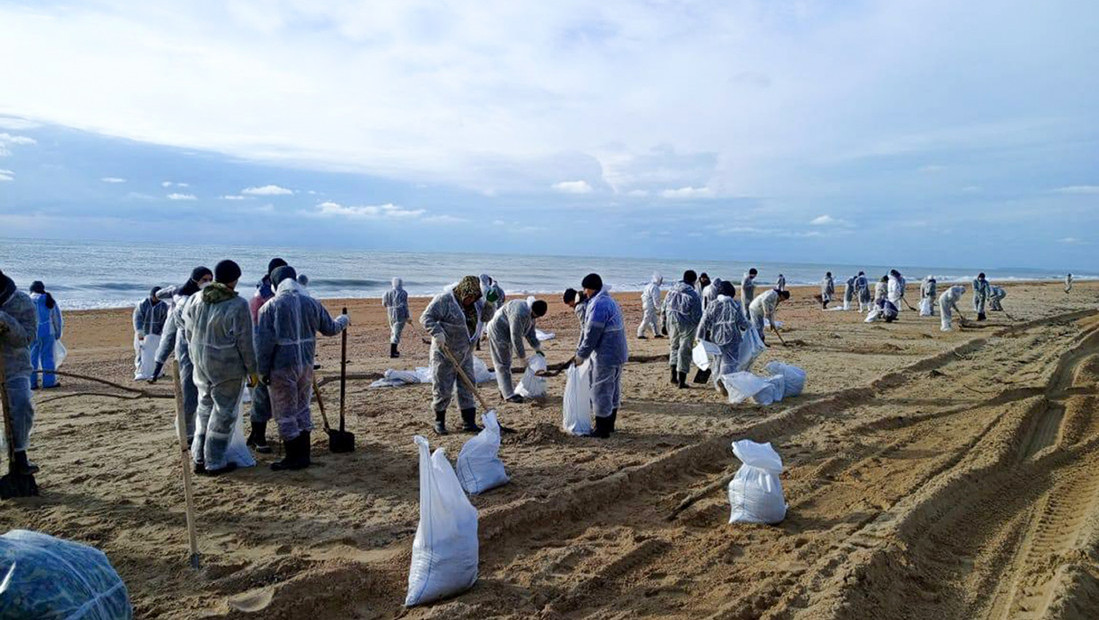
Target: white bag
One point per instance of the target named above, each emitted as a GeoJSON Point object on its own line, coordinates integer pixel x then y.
{"type": "Point", "coordinates": [777, 391]}
{"type": "Point", "coordinates": [926, 307]}
{"type": "Point", "coordinates": [145, 358]}
{"type": "Point", "coordinates": [703, 352]}
{"type": "Point", "coordinates": [744, 385]}
{"type": "Point", "coordinates": [238, 451]}
{"type": "Point", "coordinates": [444, 552]}
{"type": "Point", "coordinates": [531, 385]}
{"type": "Point", "coordinates": [751, 346]}
{"type": "Point", "coordinates": [755, 492]}
{"type": "Point", "coordinates": [795, 377]}
{"type": "Point", "coordinates": [576, 402]}
{"type": "Point", "coordinates": [479, 466]}
{"type": "Point", "coordinates": [59, 354]}
{"type": "Point", "coordinates": [481, 373]}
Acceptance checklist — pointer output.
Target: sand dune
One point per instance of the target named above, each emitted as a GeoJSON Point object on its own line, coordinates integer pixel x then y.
{"type": "Point", "coordinates": [928, 475]}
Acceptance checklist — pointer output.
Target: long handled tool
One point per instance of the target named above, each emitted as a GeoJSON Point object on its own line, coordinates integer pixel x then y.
{"type": "Point", "coordinates": [14, 483]}
{"type": "Point", "coordinates": [185, 458]}
{"type": "Point", "coordinates": [470, 384]}
{"type": "Point", "coordinates": [341, 440]}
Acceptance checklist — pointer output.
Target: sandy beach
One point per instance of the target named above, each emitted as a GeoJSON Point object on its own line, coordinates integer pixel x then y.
{"type": "Point", "coordinates": [928, 475]}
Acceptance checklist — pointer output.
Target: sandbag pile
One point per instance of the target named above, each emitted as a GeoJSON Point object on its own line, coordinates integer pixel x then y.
{"type": "Point", "coordinates": [783, 381]}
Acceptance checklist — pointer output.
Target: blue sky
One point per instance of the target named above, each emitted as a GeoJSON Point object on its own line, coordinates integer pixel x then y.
{"type": "Point", "coordinates": [909, 132]}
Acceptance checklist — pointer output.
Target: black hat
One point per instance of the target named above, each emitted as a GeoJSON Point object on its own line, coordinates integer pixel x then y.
{"type": "Point", "coordinates": [153, 291]}
{"type": "Point", "coordinates": [274, 264]}
{"type": "Point", "coordinates": [592, 281]}
{"type": "Point", "coordinates": [199, 273]}
{"type": "Point", "coordinates": [38, 287]}
{"type": "Point", "coordinates": [286, 272]}
{"type": "Point", "coordinates": [226, 272]}
{"type": "Point", "coordinates": [690, 277]}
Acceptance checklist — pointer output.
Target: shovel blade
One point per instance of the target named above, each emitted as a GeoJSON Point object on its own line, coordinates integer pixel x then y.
{"type": "Point", "coordinates": [341, 441]}
{"type": "Point", "coordinates": [18, 485]}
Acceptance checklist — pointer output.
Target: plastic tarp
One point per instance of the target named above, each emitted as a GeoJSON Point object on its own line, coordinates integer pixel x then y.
{"type": "Point", "coordinates": [445, 550]}
{"type": "Point", "coordinates": [479, 465]}
{"type": "Point", "coordinates": [422, 374]}
{"type": "Point", "coordinates": [755, 492]}
{"type": "Point", "coordinates": [795, 377]}
{"type": "Point", "coordinates": [532, 385]}
{"type": "Point", "coordinates": [49, 578]}
{"type": "Point", "coordinates": [544, 336]}
{"type": "Point", "coordinates": [751, 345]}
{"type": "Point", "coordinates": [703, 353]}
{"type": "Point", "coordinates": [576, 402]}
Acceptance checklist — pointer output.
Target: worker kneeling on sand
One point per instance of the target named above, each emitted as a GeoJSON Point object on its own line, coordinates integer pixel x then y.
{"type": "Point", "coordinates": [286, 345]}
{"type": "Point", "coordinates": [18, 330]}
{"type": "Point", "coordinates": [218, 327]}
{"type": "Point", "coordinates": [604, 341]}
{"type": "Point", "coordinates": [452, 318]}
{"type": "Point", "coordinates": [513, 323]}
{"type": "Point", "coordinates": [724, 323]}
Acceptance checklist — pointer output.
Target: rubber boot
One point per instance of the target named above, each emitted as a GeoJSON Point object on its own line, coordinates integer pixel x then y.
{"type": "Point", "coordinates": [469, 421]}
{"type": "Point", "coordinates": [257, 439]}
{"type": "Point", "coordinates": [440, 423]}
{"type": "Point", "coordinates": [515, 398]}
{"type": "Point", "coordinates": [222, 470]}
{"type": "Point", "coordinates": [675, 376]}
{"type": "Point", "coordinates": [304, 449]}
{"type": "Point", "coordinates": [602, 428]}
{"type": "Point", "coordinates": [682, 380]}
{"type": "Point", "coordinates": [393, 351]}
{"type": "Point", "coordinates": [614, 418]}
{"type": "Point", "coordinates": [297, 454]}
{"type": "Point", "coordinates": [22, 464]}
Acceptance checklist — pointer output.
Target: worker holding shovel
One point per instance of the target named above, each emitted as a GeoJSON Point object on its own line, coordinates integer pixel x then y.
{"type": "Point", "coordinates": [18, 327]}
{"type": "Point", "coordinates": [452, 319]}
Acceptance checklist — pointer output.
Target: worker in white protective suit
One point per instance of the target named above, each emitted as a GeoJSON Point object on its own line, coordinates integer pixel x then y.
{"type": "Point", "coordinates": [452, 318]}
{"type": "Point", "coordinates": [780, 284]}
{"type": "Point", "coordinates": [748, 287]}
{"type": "Point", "coordinates": [862, 289]}
{"type": "Point", "coordinates": [395, 301]}
{"type": "Point", "coordinates": [603, 341]}
{"type": "Point", "coordinates": [763, 307]}
{"type": "Point", "coordinates": [948, 303]}
{"type": "Point", "coordinates": [723, 324]}
{"type": "Point", "coordinates": [513, 323]}
{"type": "Point", "coordinates": [996, 294]}
{"type": "Point", "coordinates": [848, 292]}
{"type": "Point", "coordinates": [682, 310]}
{"type": "Point", "coordinates": [827, 290]}
{"type": "Point", "coordinates": [650, 307]}
{"type": "Point", "coordinates": [149, 318]}
{"type": "Point", "coordinates": [895, 286]}
{"type": "Point", "coordinates": [1068, 283]}
{"type": "Point", "coordinates": [981, 290]}
{"type": "Point", "coordinates": [928, 293]}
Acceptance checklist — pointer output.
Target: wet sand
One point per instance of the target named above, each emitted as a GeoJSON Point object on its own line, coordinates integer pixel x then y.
{"type": "Point", "coordinates": [929, 475]}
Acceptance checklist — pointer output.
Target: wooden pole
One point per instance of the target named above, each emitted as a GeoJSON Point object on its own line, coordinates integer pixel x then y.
{"type": "Point", "coordinates": [185, 459]}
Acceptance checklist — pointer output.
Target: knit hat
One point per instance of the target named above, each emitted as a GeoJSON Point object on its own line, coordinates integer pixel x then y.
{"type": "Point", "coordinates": [592, 281]}
{"type": "Point", "coordinates": [226, 272]}
{"type": "Point", "coordinates": [199, 273]}
{"type": "Point", "coordinates": [153, 291]}
{"type": "Point", "coordinates": [274, 264]}
{"type": "Point", "coordinates": [38, 287]}
{"type": "Point", "coordinates": [286, 272]}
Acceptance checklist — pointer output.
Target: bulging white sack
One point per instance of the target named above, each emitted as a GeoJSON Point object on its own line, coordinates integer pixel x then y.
{"type": "Point", "coordinates": [751, 345]}
{"type": "Point", "coordinates": [144, 358]}
{"type": "Point", "coordinates": [744, 385]}
{"type": "Point", "coordinates": [445, 550]}
{"type": "Point", "coordinates": [775, 394]}
{"type": "Point", "coordinates": [755, 492]}
{"type": "Point", "coordinates": [702, 353]}
{"type": "Point", "coordinates": [576, 402]}
{"type": "Point", "coordinates": [238, 451]}
{"type": "Point", "coordinates": [479, 466]}
{"type": "Point", "coordinates": [531, 385]}
{"type": "Point", "coordinates": [926, 307]}
{"type": "Point", "coordinates": [795, 377]}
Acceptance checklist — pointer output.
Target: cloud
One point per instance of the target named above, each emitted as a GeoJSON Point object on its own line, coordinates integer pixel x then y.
{"type": "Point", "coordinates": [443, 219]}
{"type": "Point", "coordinates": [6, 175]}
{"type": "Point", "coordinates": [234, 197]}
{"type": "Point", "coordinates": [1071, 240]}
{"type": "Point", "coordinates": [637, 193]}
{"type": "Point", "coordinates": [823, 220]}
{"type": "Point", "coordinates": [386, 211]}
{"type": "Point", "coordinates": [173, 184]}
{"type": "Point", "coordinates": [113, 180]}
{"type": "Point", "coordinates": [1078, 190]}
{"type": "Point", "coordinates": [573, 187]}
{"type": "Point", "coordinates": [688, 193]}
{"type": "Point", "coordinates": [17, 124]}
{"type": "Point", "coordinates": [8, 140]}
{"type": "Point", "coordinates": [267, 190]}
{"type": "Point", "coordinates": [178, 196]}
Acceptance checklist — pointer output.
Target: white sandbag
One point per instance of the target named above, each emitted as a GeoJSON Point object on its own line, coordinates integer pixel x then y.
{"type": "Point", "coordinates": [145, 356]}
{"type": "Point", "coordinates": [481, 373]}
{"type": "Point", "coordinates": [703, 353]}
{"type": "Point", "coordinates": [238, 451]}
{"type": "Point", "coordinates": [795, 377]}
{"type": "Point", "coordinates": [778, 390]}
{"type": "Point", "coordinates": [576, 402]}
{"type": "Point", "coordinates": [532, 385]}
{"type": "Point", "coordinates": [59, 354]}
{"type": "Point", "coordinates": [755, 492]}
{"type": "Point", "coordinates": [744, 385]}
{"type": "Point", "coordinates": [479, 465]}
{"type": "Point", "coordinates": [544, 336]}
{"type": "Point", "coordinates": [927, 307]}
{"type": "Point", "coordinates": [445, 550]}
{"type": "Point", "coordinates": [751, 345]}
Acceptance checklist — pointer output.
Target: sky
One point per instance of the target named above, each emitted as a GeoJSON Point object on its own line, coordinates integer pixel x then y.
{"type": "Point", "coordinates": [926, 132]}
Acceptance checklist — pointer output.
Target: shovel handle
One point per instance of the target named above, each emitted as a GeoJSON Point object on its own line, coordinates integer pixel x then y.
{"type": "Point", "coordinates": [320, 404]}
{"type": "Point", "coordinates": [343, 374]}
{"type": "Point", "coordinates": [465, 379]}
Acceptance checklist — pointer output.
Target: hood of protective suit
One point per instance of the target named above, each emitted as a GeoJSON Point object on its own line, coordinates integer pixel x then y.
{"type": "Point", "coordinates": [398, 283]}
{"type": "Point", "coordinates": [289, 285]}
{"type": "Point", "coordinates": [7, 288]}
{"type": "Point", "coordinates": [658, 279]}
{"type": "Point", "coordinates": [217, 292]}
{"type": "Point", "coordinates": [485, 281]}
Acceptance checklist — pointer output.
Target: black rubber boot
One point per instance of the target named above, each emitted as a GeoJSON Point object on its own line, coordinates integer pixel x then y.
{"type": "Point", "coordinates": [257, 439]}
{"type": "Point", "coordinates": [393, 351]}
{"type": "Point", "coordinates": [602, 428]}
{"type": "Point", "coordinates": [440, 423]}
{"type": "Point", "coordinates": [22, 464]}
{"type": "Point", "coordinates": [305, 448]}
{"type": "Point", "coordinates": [682, 380]}
{"type": "Point", "coordinates": [222, 470]}
{"type": "Point", "coordinates": [469, 421]}
{"type": "Point", "coordinates": [614, 419]}
{"type": "Point", "coordinates": [675, 376]}
{"type": "Point", "coordinates": [297, 454]}
{"type": "Point", "coordinates": [515, 398]}
{"type": "Point", "coordinates": [642, 337]}
{"type": "Point", "coordinates": [981, 316]}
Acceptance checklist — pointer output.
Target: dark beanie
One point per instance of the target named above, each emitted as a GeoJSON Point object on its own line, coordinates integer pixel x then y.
{"type": "Point", "coordinates": [275, 264]}
{"type": "Point", "coordinates": [728, 289]}
{"type": "Point", "coordinates": [154, 291]}
{"type": "Point", "coordinates": [38, 287]}
{"type": "Point", "coordinates": [199, 273]}
{"type": "Point", "coordinates": [690, 277]}
{"type": "Point", "coordinates": [285, 272]}
{"type": "Point", "coordinates": [226, 272]}
{"type": "Point", "coordinates": [592, 281]}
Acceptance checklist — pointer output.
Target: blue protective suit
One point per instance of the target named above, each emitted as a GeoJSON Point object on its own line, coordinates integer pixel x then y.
{"type": "Point", "coordinates": [50, 327]}
{"type": "Point", "coordinates": [604, 341]}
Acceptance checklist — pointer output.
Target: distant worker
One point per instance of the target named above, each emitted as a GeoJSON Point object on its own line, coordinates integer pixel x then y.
{"type": "Point", "coordinates": [748, 287]}
{"type": "Point", "coordinates": [578, 303]}
{"type": "Point", "coordinates": [492, 297]}
{"type": "Point", "coordinates": [50, 327]}
{"type": "Point", "coordinates": [1068, 283]}
{"type": "Point", "coordinates": [722, 324]}
{"type": "Point", "coordinates": [780, 284]}
{"type": "Point", "coordinates": [928, 293]}
{"type": "Point", "coordinates": [604, 342]}
{"type": "Point", "coordinates": [395, 301]}
{"type": "Point", "coordinates": [996, 294]}
{"type": "Point", "coordinates": [827, 290]}
{"type": "Point", "coordinates": [880, 290]}
{"type": "Point", "coordinates": [303, 280]}
{"type": "Point", "coordinates": [452, 319]}
{"type": "Point", "coordinates": [702, 283]}
{"type": "Point", "coordinates": [682, 310]}
{"type": "Point", "coordinates": [948, 303]}
{"type": "Point", "coordinates": [219, 333]}
{"type": "Point", "coordinates": [981, 291]}
{"type": "Point", "coordinates": [848, 292]}
{"type": "Point", "coordinates": [650, 307]}
{"type": "Point", "coordinates": [710, 293]}
{"type": "Point", "coordinates": [862, 289]}
{"type": "Point", "coordinates": [149, 318]}
{"type": "Point", "coordinates": [513, 323]}
{"type": "Point", "coordinates": [18, 332]}
{"type": "Point", "coordinates": [763, 308]}
{"type": "Point", "coordinates": [896, 285]}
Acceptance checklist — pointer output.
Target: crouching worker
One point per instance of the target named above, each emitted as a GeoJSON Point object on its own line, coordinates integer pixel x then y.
{"type": "Point", "coordinates": [724, 322]}
{"type": "Point", "coordinates": [286, 344]}
{"type": "Point", "coordinates": [513, 323]}
{"type": "Point", "coordinates": [948, 302]}
{"type": "Point", "coordinates": [218, 329]}
{"type": "Point", "coordinates": [452, 318]}
{"type": "Point", "coordinates": [763, 308]}
{"type": "Point", "coordinates": [18, 330]}
{"type": "Point", "coordinates": [604, 341]}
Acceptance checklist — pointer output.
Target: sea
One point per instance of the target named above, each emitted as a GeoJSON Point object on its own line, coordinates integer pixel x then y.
{"type": "Point", "coordinates": [95, 274]}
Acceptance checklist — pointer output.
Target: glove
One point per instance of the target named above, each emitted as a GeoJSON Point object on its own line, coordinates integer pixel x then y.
{"type": "Point", "coordinates": [540, 352]}
{"type": "Point", "coordinates": [343, 318]}
{"type": "Point", "coordinates": [578, 361]}
{"type": "Point", "coordinates": [253, 380]}
{"type": "Point", "coordinates": [156, 372]}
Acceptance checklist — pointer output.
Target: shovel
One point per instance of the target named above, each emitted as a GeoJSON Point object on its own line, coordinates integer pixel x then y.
{"type": "Point", "coordinates": [471, 385]}
{"type": "Point", "coordinates": [14, 484]}
{"type": "Point", "coordinates": [339, 440]}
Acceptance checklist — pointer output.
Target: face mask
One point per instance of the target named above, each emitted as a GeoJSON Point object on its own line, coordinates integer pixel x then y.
{"type": "Point", "coordinates": [202, 285]}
